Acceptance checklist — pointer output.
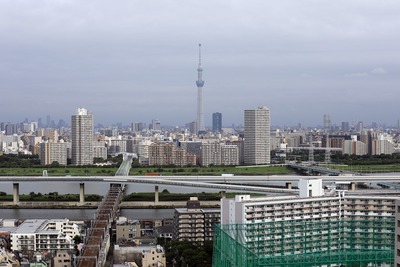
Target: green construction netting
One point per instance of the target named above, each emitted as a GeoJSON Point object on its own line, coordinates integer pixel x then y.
{"type": "Point", "coordinates": [306, 243]}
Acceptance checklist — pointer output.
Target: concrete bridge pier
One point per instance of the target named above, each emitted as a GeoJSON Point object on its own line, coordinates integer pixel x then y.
{"type": "Point", "coordinates": [289, 185]}
{"type": "Point", "coordinates": [82, 193]}
{"type": "Point", "coordinates": [156, 194]}
{"type": "Point", "coordinates": [16, 193]}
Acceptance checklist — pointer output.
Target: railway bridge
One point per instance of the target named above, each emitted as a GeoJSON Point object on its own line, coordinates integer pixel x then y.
{"type": "Point", "coordinates": [98, 239]}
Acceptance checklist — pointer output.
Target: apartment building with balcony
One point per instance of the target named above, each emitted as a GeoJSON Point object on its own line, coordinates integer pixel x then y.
{"type": "Point", "coordinates": [333, 205]}
{"type": "Point", "coordinates": [163, 154]}
{"type": "Point", "coordinates": [193, 223]}
{"type": "Point", "coordinates": [316, 228]}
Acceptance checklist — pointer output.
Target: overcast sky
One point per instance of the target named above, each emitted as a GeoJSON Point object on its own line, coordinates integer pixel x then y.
{"type": "Point", "coordinates": [130, 61]}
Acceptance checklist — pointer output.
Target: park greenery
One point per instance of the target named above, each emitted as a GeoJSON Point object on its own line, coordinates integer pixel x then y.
{"type": "Point", "coordinates": [13, 165]}
{"type": "Point", "coordinates": [28, 165]}
{"type": "Point", "coordinates": [185, 253]}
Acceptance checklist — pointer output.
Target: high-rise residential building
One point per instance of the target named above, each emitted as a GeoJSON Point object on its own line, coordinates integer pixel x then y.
{"type": "Point", "coordinates": [257, 136]}
{"type": "Point", "coordinates": [82, 137]}
{"type": "Point", "coordinates": [217, 122]}
{"type": "Point", "coordinates": [53, 152]}
{"type": "Point", "coordinates": [200, 83]}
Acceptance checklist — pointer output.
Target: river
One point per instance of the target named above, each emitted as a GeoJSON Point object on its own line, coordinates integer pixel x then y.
{"type": "Point", "coordinates": [90, 188]}
{"type": "Point", "coordinates": [82, 214]}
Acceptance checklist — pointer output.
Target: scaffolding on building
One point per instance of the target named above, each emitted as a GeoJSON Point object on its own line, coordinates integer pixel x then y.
{"type": "Point", "coordinates": [306, 243]}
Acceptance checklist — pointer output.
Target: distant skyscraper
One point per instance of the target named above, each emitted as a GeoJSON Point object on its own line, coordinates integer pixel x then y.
{"type": "Point", "coordinates": [193, 127]}
{"type": "Point", "coordinates": [345, 126]}
{"type": "Point", "coordinates": [155, 125]}
{"type": "Point", "coordinates": [200, 83]}
{"type": "Point", "coordinates": [48, 121]}
{"type": "Point", "coordinates": [327, 122]}
{"type": "Point", "coordinates": [257, 136]}
{"type": "Point", "coordinates": [138, 126]}
{"type": "Point", "coordinates": [82, 137]}
{"type": "Point", "coordinates": [217, 122]}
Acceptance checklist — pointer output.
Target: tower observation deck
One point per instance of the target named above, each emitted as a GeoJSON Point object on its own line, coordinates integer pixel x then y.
{"type": "Point", "coordinates": [200, 83]}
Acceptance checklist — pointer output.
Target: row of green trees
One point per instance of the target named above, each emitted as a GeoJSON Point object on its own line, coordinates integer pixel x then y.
{"type": "Point", "coordinates": [52, 196]}
{"type": "Point", "coordinates": [339, 158]}
{"type": "Point", "coordinates": [33, 161]}
{"type": "Point", "coordinates": [366, 159]}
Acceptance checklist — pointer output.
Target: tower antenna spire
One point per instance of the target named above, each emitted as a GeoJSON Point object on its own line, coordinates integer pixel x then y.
{"type": "Point", "coordinates": [199, 54]}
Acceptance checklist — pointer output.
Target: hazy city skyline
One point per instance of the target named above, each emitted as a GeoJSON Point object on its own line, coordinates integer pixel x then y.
{"type": "Point", "coordinates": [130, 61]}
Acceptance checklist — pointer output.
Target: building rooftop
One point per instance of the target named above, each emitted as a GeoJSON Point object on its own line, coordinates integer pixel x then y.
{"type": "Point", "coordinates": [30, 226]}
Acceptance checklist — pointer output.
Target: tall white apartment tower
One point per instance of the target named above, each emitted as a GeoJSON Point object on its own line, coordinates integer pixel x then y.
{"type": "Point", "coordinates": [82, 137]}
{"type": "Point", "coordinates": [200, 83]}
{"type": "Point", "coordinates": [257, 136]}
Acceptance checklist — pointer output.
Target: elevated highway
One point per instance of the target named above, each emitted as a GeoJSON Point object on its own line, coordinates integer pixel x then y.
{"type": "Point", "coordinates": [314, 169]}
{"type": "Point", "coordinates": [182, 180]}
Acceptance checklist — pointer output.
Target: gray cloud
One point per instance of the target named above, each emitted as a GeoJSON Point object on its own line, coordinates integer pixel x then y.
{"type": "Point", "coordinates": [136, 60]}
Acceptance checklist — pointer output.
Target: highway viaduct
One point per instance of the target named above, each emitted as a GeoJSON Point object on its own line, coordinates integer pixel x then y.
{"type": "Point", "coordinates": [215, 182]}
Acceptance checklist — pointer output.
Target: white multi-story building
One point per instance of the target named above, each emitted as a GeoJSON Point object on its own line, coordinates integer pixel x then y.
{"type": "Point", "coordinates": [312, 229]}
{"type": "Point", "coordinates": [257, 136]}
{"type": "Point", "coordinates": [354, 147]}
{"type": "Point", "coordinates": [311, 204]}
{"type": "Point", "coordinates": [82, 137]}
{"type": "Point", "coordinates": [44, 235]}
{"type": "Point", "coordinates": [383, 144]}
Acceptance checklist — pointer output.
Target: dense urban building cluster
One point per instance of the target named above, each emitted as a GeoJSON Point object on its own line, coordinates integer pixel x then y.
{"type": "Point", "coordinates": [82, 143]}
{"type": "Point", "coordinates": [253, 144]}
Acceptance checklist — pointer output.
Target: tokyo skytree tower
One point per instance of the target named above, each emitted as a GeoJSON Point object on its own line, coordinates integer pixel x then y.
{"type": "Point", "coordinates": [200, 83]}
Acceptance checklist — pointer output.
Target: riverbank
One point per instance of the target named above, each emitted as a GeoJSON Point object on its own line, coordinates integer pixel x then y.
{"type": "Point", "coordinates": [94, 205]}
